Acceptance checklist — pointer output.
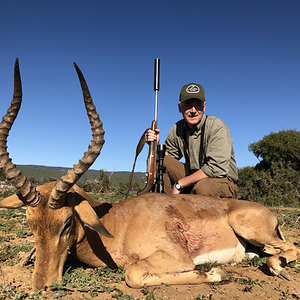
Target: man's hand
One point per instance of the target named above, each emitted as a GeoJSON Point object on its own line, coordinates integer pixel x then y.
{"type": "Point", "coordinates": [175, 191]}
{"type": "Point", "coordinates": [152, 136]}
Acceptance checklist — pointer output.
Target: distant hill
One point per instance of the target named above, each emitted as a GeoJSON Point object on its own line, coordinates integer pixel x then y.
{"type": "Point", "coordinates": [40, 172]}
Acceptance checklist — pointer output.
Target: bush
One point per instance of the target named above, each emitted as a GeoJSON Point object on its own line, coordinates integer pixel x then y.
{"type": "Point", "coordinates": [275, 180]}
{"type": "Point", "coordinates": [102, 184]}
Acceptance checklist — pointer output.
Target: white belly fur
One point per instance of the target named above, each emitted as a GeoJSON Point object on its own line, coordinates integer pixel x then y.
{"type": "Point", "coordinates": [225, 256]}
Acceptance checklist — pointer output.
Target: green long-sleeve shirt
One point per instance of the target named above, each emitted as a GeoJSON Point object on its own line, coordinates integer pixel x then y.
{"type": "Point", "coordinates": [217, 158]}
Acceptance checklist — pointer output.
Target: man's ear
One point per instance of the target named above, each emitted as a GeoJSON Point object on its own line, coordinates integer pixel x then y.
{"type": "Point", "coordinates": [179, 107]}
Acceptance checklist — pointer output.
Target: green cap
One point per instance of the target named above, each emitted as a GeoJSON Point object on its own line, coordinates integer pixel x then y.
{"type": "Point", "coordinates": [192, 91]}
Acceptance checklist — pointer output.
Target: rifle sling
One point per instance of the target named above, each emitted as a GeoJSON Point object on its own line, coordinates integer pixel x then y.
{"type": "Point", "coordinates": [139, 148]}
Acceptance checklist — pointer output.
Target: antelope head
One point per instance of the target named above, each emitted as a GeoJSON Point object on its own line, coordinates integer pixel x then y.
{"type": "Point", "coordinates": [53, 209]}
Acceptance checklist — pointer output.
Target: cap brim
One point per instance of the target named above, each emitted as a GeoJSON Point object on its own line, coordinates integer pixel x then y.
{"type": "Point", "coordinates": [188, 98]}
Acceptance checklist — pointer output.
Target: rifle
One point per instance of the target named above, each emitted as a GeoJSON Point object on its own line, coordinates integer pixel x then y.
{"type": "Point", "coordinates": [151, 160]}
{"type": "Point", "coordinates": [156, 152]}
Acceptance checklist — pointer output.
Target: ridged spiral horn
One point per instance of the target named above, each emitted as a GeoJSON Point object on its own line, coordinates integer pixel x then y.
{"type": "Point", "coordinates": [26, 192]}
{"type": "Point", "coordinates": [57, 197]}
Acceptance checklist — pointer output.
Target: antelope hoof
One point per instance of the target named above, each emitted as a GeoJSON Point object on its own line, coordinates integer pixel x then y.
{"type": "Point", "coordinates": [28, 257]}
{"type": "Point", "coordinates": [224, 275]}
{"type": "Point", "coordinates": [284, 275]}
{"type": "Point", "coordinates": [216, 274]}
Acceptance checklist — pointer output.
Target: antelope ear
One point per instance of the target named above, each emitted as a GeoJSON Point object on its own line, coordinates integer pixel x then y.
{"type": "Point", "coordinates": [11, 202]}
{"type": "Point", "coordinates": [90, 219]}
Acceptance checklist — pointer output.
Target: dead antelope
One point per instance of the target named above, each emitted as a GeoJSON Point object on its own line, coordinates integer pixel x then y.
{"type": "Point", "coordinates": [157, 238]}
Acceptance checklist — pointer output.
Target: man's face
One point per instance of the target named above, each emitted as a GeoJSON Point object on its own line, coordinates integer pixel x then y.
{"type": "Point", "coordinates": [192, 111]}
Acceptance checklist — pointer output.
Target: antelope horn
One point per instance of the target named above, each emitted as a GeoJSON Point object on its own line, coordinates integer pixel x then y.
{"type": "Point", "coordinates": [61, 188]}
{"type": "Point", "coordinates": [27, 193]}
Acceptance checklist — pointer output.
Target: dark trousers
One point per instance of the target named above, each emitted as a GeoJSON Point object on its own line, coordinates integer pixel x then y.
{"type": "Point", "coordinates": [216, 187]}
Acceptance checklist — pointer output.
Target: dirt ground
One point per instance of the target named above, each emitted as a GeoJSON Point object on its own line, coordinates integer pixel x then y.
{"type": "Point", "coordinates": [264, 286]}
{"type": "Point", "coordinates": [246, 282]}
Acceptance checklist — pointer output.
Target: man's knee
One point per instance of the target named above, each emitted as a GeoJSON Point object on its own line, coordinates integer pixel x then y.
{"type": "Point", "coordinates": [216, 187]}
{"type": "Point", "coordinates": [204, 187]}
{"type": "Point", "coordinates": [173, 172]}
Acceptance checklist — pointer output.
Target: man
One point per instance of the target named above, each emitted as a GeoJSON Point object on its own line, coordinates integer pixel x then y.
{"type": "Point", "coordinates": [206, 145]}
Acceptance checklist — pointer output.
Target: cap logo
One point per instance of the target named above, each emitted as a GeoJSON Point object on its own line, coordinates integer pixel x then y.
{"type": "Point", "coordinates": [192, 89]}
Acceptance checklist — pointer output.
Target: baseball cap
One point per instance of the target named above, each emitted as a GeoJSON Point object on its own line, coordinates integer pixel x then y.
{"type": "Point", "coordinates": [192, 91]}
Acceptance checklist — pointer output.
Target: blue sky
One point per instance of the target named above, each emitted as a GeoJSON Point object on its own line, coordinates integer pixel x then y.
{"type": "Point", "coordinates": [244, 53]}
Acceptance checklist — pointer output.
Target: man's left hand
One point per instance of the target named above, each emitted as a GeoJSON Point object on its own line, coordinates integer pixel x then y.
{"type": "Point", "coordinates": [175, 191]}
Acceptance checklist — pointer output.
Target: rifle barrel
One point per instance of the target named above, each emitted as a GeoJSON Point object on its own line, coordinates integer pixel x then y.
{"type": "Point", "coordinates": [156, 85]}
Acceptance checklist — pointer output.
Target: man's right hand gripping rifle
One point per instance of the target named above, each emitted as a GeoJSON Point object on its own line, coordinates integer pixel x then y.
{"type": "Point", "coordinates": [153, 135]}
